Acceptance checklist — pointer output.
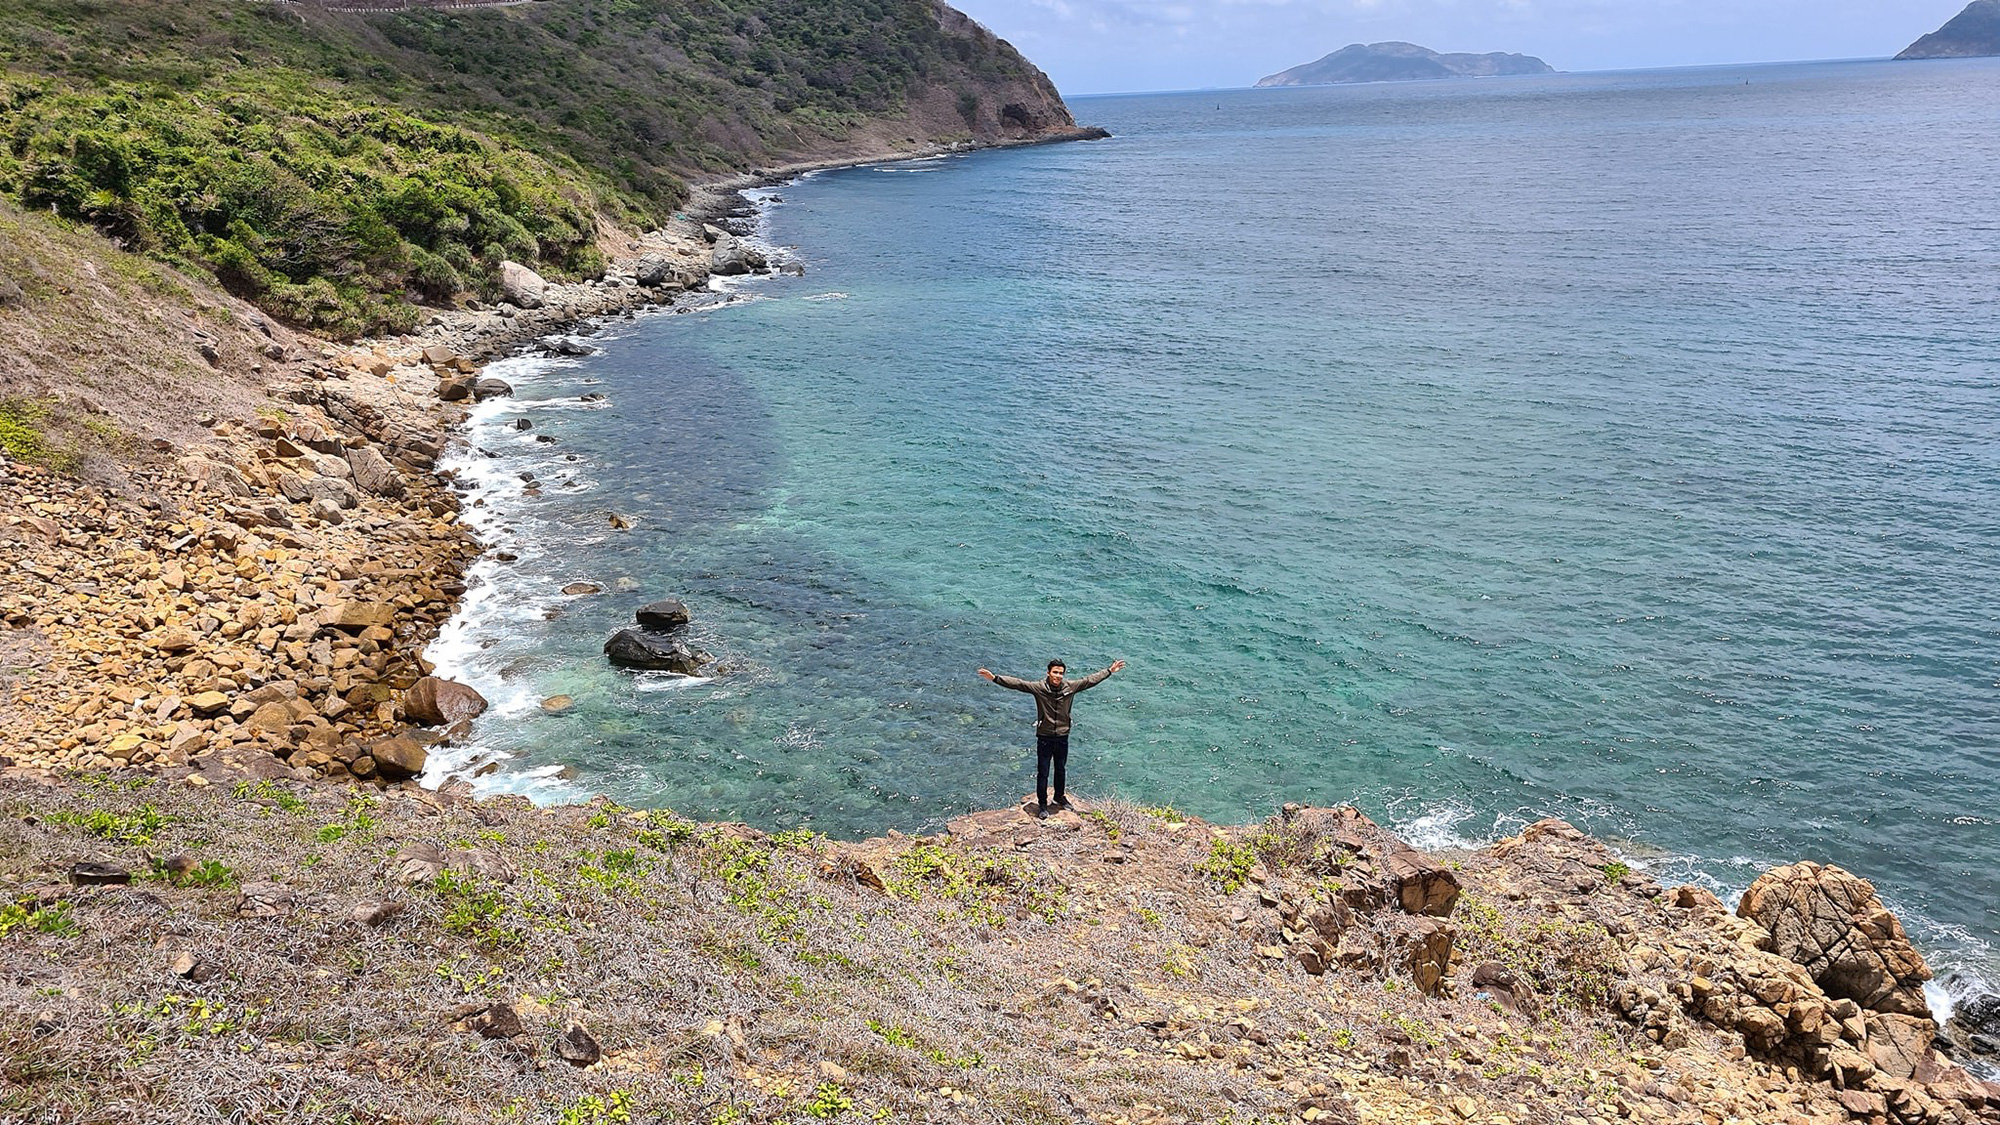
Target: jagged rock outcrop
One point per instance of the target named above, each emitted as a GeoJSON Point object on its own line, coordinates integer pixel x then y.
{"type": "Point", "coordinates": [1373, 865]}
{"type": "Point", "coordinates": [1972, 33]}
{"type": "Point", "coordinates": [1015, 101]}
{"type": "Point", "coordinates": [1832, 923]}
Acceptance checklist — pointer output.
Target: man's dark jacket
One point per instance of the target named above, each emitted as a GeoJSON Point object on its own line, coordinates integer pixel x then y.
{"type": "Point", "coordinates": [1052, 703]}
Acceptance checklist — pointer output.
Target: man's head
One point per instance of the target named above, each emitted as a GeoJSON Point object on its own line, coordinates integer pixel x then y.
{"type": "Point", "coordinates": [1056, 671]}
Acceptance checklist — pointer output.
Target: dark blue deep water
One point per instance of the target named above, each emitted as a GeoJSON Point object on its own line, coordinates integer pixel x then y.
{"type": "Point", "coordinates": [1620, 447]}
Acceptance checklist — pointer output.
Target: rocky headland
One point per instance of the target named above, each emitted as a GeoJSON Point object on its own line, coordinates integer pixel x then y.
{"type": "Point", "coordinates": [1972, 33]}
{"type": "Point", "coordinates": [1401, 62]}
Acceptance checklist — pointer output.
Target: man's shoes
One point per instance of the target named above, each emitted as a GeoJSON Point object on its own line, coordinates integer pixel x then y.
{"type": "Point", "coordinates": [1062, 802]}
{"type": "Point", "coordinates": [1041, 811]}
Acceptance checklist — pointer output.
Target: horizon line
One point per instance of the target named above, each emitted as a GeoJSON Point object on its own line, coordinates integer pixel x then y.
{"type": "Point", "coordinates": [1502, 77]}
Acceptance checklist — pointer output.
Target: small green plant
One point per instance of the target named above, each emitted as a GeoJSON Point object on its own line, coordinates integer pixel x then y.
{"type": "Point", "coordinates": [264, 791]}
{"type": "Point", "coordinates": [22, 422]}
{"type": "Point", "coordinates": [1165, 814]}
{"type": "Point", "coordinates": [470, 981]}
{"type": "Point", "coordinates": [1228, 864]}
{"type": "Point", "coordinates": [1615, 872]}
{"type": "Point", "coordinates": [892, 1035]}
{"type": "Point", "coordinates": [357, 823]}
{"type": "Point", "coordinates": [52, 919]}
{"type": "Point", "coordinates": [956, 1062]}
{"type": "Point", "coordinates": [1419, 1030]}
{"type": "Point", "coordinates": [667, 831]}
{"type": "Point", "coordinates": [590, 1109]}
{"type": "Point", "coordinates": [614, 872]}
{"type": "Point", "coordinates": [136, 827]}
{"type": "Point", "coordinates": [828, 1101]}
{"type": "Point", "coordinates": [1150, 918]}
{"type": "Point", "coordinates": [804, 839]}
{"type": "Point", "coordinates": [207, 873]}
{"type": "Point", "coordinates": [1105, 822]}
{"type": "Point", "coordinates": [473, 909]}
{"type": "Point", "coordinates": [97, 779]}
{"type": "Point", "coordinates": [1343, 1039]}
{"type": "Point", "coordinates": [751, 883]}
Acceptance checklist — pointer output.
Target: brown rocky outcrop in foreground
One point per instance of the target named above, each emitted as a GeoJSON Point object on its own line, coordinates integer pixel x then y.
{"type": "Point", "coordinates": [303, 950]}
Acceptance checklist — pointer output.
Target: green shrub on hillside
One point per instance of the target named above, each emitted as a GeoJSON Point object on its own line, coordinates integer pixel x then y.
{"type": "Point", "coordinates": [328, 212]}
{"type": "Point", "coordinates": [333, 165]}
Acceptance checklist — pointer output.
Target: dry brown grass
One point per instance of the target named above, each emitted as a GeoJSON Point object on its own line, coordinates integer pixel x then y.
{"type": "Point", "coordinates": [1084, 969]}
{"type": "Point", "coordinates": [106, 345]}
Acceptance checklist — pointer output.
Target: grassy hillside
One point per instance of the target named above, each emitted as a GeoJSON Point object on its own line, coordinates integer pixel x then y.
{"type": "Point", "coordinates": [333, 165]}
{"type": "Point", "coordinates": [102, 352]}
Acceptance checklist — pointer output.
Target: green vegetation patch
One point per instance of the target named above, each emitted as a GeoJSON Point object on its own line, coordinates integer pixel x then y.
{"type": "Point", "coordinates": [28, 918]}
{"type": "Point", "coordinates": [1228, 864]}
{"type": "Point", "coordinates": [23, 434]}
{"type": "Point", "coordinates": [334, 167]}
{"type": "Point", "coordinates": [1571, 964]}
{"type": "Point", "coordinates": [137, 827]}
{"type": "Point", "coordinates": [327, 211]}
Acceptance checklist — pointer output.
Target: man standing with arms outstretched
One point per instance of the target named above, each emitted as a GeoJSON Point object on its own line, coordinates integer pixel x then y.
{"type": "Point", "coordinates": [1052, 701]}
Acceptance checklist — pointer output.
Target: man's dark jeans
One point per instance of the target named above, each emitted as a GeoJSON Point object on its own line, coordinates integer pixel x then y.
{"type": "Point", "coordinates": [1050, 748]}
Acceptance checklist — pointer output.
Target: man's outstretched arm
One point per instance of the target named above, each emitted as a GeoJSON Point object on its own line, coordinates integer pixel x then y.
{"type": "Point", "coordinates": [1096, 678]}
{"type": "Point", "coordinates": [1007, 681]}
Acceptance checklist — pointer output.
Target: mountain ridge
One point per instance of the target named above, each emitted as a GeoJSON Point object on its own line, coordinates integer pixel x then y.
{"type": "Point", "coordinates": [1972, 33]}
{"type": "Point", "coordinates": [1397, 61]}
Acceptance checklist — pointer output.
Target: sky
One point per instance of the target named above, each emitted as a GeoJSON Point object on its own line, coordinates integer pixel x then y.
{"type": "Point", "coordinates": [1114, 46]}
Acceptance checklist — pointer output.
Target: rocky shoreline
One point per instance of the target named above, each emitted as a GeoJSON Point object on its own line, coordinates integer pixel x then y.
{"type": "Point", "coordinates": [273, 589]}
{"type": "Point", "coordinates": [278, 581]}
{"type": "Point", "coordinates": [266, 606]}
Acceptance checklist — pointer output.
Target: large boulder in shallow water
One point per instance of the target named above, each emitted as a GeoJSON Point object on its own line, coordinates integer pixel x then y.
{"type": "Point", "coordinates": [731, 257]}
{"type": "Point", "coordinates": [634, 648]}
{"type": "Point", "coordinates": [664, 615]}
{"type": "Point", "coordinates": [433, 702]}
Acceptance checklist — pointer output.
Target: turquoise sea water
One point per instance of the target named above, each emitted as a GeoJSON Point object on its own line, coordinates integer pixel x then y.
{"type": "Point", "coordinates": [1624, 448]}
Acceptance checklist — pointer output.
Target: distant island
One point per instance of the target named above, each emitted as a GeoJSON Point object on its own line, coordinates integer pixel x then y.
{"type": "Point", "coordinates": [1971, 33]}
{"type": "Point", "coordinates": [1402, 62]}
